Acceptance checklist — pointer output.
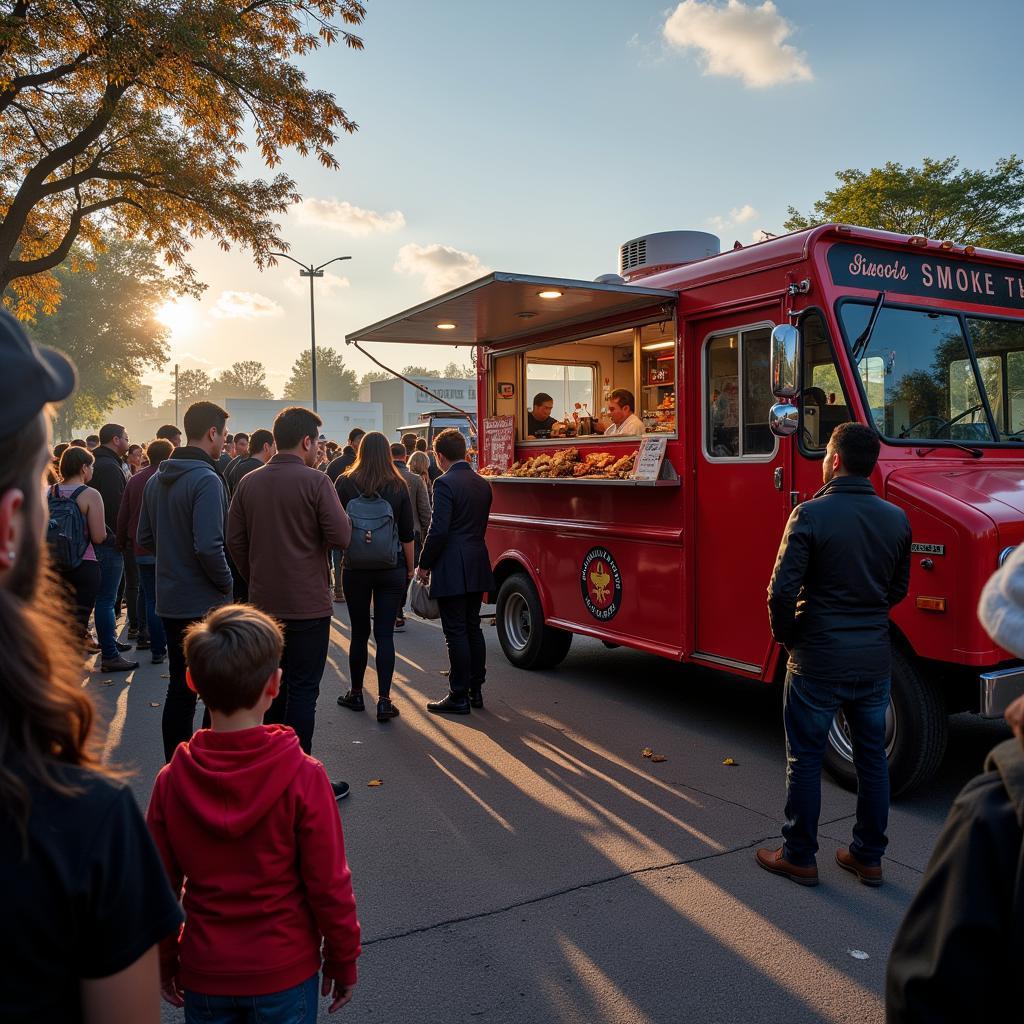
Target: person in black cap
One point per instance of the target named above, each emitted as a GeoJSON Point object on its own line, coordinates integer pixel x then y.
{"type": "Point", "coordinates": [86, 900]}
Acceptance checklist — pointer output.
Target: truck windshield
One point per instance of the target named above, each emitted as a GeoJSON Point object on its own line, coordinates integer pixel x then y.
{"type": "Point", "coordinates": [919, 378]}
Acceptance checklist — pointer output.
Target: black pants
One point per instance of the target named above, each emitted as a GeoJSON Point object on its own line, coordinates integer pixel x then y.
{"type": "Point", "coordinates": [386, 587]}
{"type": "Point", "coordinates": [178, 722]}
{"type": "Point", "coordinates": [134, 600]}
{"type": "Point", "coordinates": [82, 584]}
{"type": "Point", "coordinates": [305, 654]}
{"type": "Point", "coordinates": [240, 593]}
{"type": "Point", "coordinates": [467, 652]}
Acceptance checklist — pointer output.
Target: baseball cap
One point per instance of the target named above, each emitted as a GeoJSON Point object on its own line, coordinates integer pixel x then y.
{"type": "Point", "coordinates": [322, 437]}
{"type": "Point", "coordinates": [33, 376]}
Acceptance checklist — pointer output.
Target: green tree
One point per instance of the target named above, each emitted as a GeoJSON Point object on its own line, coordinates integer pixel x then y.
{"type": "Point", "coordinates": [245, 379]}
{"type": "Point", "coordinates": [373, 376]}
{"type": "Point", "coordinates": [108, 328]}
{"type": "Point", "coordinates": [194, 386]}
{"type": "Point", "coordinates": [420, 371]}
{"type": "Point", "coordinates": [133, 116]}
{"type": "Point", "coordinates": [335, 382]}
{"type": "Point", "coordinates": [459, 370]}
{"type": "Point", "coordinates": [937, 200]}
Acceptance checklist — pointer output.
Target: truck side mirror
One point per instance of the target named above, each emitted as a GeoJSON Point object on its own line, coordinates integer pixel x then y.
{"type": "Point", "coordinates": [785, 362]}
{"type": "Point", "coordinates": [783, 419]}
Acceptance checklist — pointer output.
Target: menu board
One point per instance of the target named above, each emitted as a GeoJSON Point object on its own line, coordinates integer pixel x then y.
{"type": "Point", "coordinates": [499, 441]}
{"type": "Point", "coordinates": [649, 458]}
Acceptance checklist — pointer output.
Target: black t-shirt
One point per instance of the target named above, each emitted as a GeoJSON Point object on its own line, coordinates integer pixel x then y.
{"type": "Point", "coordinates": [396, 495]}
{"type": "Point", "coordinates": [533, 425]}
{"type": "Point", "coordinates": [338, 465]}
{"type": "Point", "coordinates": [239, 468]}
{"type": "Point", "coordinates": [88, 900]}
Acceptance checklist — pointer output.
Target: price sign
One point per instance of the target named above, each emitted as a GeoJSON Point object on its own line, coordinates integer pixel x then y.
{"type": "Point", "coordinates": [649, 458]}
{"type": "Point", "coordinates": [499, 441]}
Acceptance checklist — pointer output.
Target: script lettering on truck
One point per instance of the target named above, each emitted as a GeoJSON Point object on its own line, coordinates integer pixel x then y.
{"type": "Point", "coordinates": [925, 275]}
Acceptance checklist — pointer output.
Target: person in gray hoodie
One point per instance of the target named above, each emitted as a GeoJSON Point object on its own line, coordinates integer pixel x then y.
{"type": "Point", "coordinates": [959, 946]}
{"type": "Point", "coordinates": [183, 520]}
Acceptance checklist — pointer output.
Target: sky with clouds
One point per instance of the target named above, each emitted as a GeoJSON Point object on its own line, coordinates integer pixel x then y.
{"type": "Point", "coordinates": [538, 136]}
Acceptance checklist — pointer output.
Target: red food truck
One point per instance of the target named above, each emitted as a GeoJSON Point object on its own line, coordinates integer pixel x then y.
{"type": "Point", "coordinates": [738, 366]}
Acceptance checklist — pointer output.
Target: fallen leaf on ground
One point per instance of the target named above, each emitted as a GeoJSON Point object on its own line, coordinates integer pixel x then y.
{"type": "Point", "coordinates": [658, 758]}
{"type": "Point", "coordinates": [729, 762]}
{"type": "Point", "coordinates": [154, 703]}
{"type": "Point", "coordinates": [106, 682]}
{"type": "Point", "coordinates": [165, 675]}
{"type": "Point", "coordinates": [376, 782]}
{"type": "Point", "coordinates": [647, 752]}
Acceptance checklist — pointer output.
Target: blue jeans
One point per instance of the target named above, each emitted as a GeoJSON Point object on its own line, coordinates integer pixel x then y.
{"type": "Point", "coordinates": [111, 570]}
{"type": "Point", "coordinates": [292, 1006]}
{"type": "Point", "coordinates": [147, 584]}
{"type": "Point", "coordinates": [808, 710]}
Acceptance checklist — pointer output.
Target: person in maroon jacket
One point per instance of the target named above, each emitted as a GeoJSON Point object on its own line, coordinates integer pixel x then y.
{"type": "Point", "coordinates": [250, 835]}
{"type": "Point", "coordinates": [284, 520]}
{"type": "Point", "coordinates": [127, 527]}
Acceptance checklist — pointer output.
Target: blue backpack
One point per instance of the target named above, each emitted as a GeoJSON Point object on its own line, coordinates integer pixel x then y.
{"type": "Point", "coordinates": [374, 543]}
{"type": "Point", "coordinates": [67, 531]}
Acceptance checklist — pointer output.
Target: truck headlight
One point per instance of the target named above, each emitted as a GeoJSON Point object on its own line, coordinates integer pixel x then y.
{"type": "Point", "coordinates": [1005, 553]}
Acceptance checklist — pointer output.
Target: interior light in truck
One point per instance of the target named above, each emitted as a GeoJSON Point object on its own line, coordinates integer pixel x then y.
{"type": "Point", "coordinates": [550, 293]}
{"type": "Point", "coordinates": [656, 345]}
{"type": "Point", "coordinates": [446, 327]}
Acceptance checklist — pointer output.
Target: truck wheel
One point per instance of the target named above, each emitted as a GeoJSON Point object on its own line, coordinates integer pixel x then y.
{"type": "Point", "coordinates": [525, 639]}
{"type": "Point", "coordinates": [916, 726]}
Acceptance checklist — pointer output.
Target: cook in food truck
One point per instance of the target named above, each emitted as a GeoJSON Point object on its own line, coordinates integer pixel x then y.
{"type": "Point", "coordinates": [737, 367]}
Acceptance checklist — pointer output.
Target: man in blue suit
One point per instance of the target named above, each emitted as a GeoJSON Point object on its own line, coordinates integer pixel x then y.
{"type": "Point", "coordinates": [455, 561]}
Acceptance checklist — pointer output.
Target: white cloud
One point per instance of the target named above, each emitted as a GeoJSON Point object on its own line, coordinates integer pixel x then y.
{"type": "Point", "coordinates": [738, 40]}
{"type": "Point", "coordinates": [441, 266]}
{"type": "Point", "coordinates": [737, 215]}
{"type": "Point", "coordinates": [341, 215]}
{"type": "Point", "coordinates": [244, 306]}
{"type": "Point", "coordinates": [329, 287]}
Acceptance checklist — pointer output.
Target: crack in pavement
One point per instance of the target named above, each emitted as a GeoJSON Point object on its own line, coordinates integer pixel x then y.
{"type": "Point", "coordinates": [565, 892]}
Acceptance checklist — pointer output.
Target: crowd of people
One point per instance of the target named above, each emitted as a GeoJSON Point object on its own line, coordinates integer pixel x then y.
{"type": "Point", "coordinates": [233, 897]}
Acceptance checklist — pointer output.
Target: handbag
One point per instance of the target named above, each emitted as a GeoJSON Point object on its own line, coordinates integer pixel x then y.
{"type": "Point", "coordinates": [421, 602]}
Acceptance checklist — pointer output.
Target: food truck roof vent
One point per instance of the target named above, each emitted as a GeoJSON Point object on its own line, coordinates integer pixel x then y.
{"type": "Point", "coordinates": [648, 254]}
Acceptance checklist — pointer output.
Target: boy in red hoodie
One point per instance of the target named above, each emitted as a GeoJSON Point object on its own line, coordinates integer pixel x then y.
{"type": "Point", "coordinates": [250, 835]}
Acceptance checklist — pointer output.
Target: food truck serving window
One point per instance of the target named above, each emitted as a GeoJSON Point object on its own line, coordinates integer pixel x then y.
{"type": "Point", "coordinates": [613, 386]}
{"type": "Point", "coordinates": [738, 394]}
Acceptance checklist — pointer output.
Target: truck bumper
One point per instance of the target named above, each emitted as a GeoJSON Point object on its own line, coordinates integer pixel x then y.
{"type": "Point", "coordinates": [999, 689]}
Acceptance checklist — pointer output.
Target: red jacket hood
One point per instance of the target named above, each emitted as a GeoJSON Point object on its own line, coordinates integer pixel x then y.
{"type": "Point", "coordinates": [231, 780]}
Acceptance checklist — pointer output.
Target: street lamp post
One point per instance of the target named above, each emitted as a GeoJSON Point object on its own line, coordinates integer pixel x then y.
{"type": "Point", "coordinates": [312, 273]}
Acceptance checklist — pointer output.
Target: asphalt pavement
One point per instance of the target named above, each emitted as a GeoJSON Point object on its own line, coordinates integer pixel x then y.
{"type": "Point", "coordinates": [527, 863]}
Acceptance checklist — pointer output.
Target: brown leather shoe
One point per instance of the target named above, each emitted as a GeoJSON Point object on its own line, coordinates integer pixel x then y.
{"type": "Point", "coordinates": [772, 860]}
{"type": "Point", "coordinates": [868, 875]}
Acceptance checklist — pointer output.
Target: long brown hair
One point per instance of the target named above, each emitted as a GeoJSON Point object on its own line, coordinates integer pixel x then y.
{"type": "Point", "coordinates": [44, 716]}
{"type": "Point", "coordinates": [374, 468]}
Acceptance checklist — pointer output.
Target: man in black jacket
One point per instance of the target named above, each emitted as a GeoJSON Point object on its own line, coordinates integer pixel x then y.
{"type": "Point", "coordinates": [455, 560]}
{"type": "Point", "coordinates": [844, 562]}
{"type": "Point", "coordinates": [109, 479]}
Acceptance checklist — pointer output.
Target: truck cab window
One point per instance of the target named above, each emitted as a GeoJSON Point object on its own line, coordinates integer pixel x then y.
{"type": "Point", "coordinates": [823, 404]}
{"type": "Point", "coordinates": [738, 394]}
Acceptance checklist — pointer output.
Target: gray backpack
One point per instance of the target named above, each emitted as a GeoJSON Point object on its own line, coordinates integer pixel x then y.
{"type": "Point", "coordinates": [374, 542]}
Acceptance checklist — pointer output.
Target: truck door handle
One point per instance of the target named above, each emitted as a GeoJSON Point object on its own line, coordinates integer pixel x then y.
{"type": "Point", "coordinates": [778, 478]}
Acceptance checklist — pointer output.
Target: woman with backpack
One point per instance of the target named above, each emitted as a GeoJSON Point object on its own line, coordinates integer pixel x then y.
{"type": "Point", "coordinates": [378, 565]}
{"type": "Point", "coordinates": [73, 555]}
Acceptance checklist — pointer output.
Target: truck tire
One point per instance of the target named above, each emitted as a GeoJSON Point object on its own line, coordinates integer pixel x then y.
{"type": "Point", "coordinates": [526, 640]}
{"type": "Point", "coordinates": [916, 729]}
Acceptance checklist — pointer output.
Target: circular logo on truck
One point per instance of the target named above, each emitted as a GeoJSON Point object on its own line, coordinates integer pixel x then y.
{"type": "Point", "coordinates": [601, 583]}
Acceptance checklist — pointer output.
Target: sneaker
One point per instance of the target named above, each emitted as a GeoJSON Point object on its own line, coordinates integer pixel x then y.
{"type": "Point", "coordinates": [386, 710]}
{"type": "Point", "coordinates": [400, 625]}
{"type": "Point", "coordinates": [353, 700]}
{"type": "Point", "coordinates": [133, 632]}
{"type": "Point", "coordinates": [118, 665]}
{"type": "Point", "coordinates": [341, 790]}
{"type": "Point", "coordinates": [122, 647]}
{"type": "Point", "coordinates": [143, 645]}
{"type": "Point", "coordinates": [159, 659]}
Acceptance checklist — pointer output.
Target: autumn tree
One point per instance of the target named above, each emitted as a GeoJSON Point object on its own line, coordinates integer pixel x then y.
{"type": "Point", "coordinates": [335, 382]}
{"type": "Point", "coordinates": [244, 379]}
{"type": "Point", "coordinates": [936, 200]}
{"type": "Point", "coordinates": [130, 117]}
{"type": "Point", "coordinates": [107, 326]}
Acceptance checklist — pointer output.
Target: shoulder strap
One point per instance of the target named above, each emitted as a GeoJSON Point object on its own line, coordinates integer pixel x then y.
{"type": "Point", "coordinates": [77, 491]}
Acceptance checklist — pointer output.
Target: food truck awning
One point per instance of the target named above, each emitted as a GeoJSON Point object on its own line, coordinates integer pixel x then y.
{"type": "Point", "coordinates": [503, 306]}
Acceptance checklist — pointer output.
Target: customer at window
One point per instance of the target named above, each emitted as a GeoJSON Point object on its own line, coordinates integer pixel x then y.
{"type": "Point", "coordinates": [624, 421]}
